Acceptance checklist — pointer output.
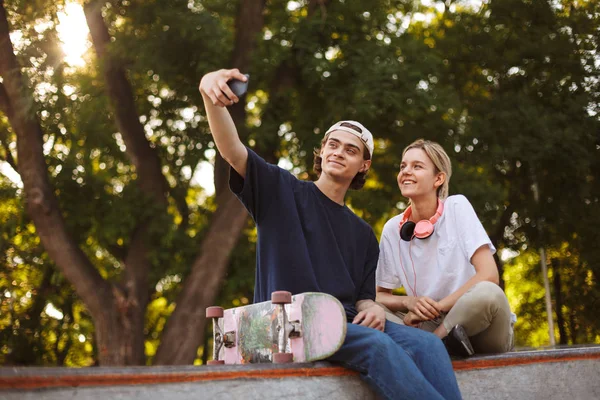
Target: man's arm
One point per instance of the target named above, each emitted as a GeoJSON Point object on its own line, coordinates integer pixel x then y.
{"type": "Point", "coordinates": [370, 313]}
{"type": "Point", "coordinates": [217, 96]}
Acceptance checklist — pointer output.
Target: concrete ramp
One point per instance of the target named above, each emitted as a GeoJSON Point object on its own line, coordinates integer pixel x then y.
{"type": "Point", "coordinates": [570, 373]}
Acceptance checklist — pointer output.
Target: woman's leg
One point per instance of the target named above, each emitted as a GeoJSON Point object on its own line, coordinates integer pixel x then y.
{"type": "Point", "coordinates": [484, 313]}
{"type": "Point", "coordinates": [398, 318]}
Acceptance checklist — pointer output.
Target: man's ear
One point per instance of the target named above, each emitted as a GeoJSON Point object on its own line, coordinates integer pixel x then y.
{"type": "Point", "coordinates": [365, 167]}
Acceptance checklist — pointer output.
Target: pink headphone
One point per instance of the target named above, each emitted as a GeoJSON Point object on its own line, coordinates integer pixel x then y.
{"type": "Point", "coordinates": [422, 229]}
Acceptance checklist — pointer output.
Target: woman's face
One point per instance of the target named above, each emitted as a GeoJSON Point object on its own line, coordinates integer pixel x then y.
{"type": "Point", "coordinates": [417, 176]}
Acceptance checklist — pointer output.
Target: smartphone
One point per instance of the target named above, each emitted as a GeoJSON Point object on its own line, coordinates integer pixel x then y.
{"type": "Point", "coordinates": [238, 87]}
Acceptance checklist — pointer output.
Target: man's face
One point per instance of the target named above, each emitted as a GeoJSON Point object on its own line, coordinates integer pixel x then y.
{"type": "Point", "coordinates": [342, 156]}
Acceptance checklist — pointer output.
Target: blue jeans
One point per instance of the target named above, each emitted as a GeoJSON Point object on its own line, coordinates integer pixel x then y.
{"type": "Point", "coordinates": [402, 363]}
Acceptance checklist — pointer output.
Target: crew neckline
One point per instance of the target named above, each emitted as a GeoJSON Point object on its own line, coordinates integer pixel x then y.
{"type": "Point", "coordinates": [325, 198]}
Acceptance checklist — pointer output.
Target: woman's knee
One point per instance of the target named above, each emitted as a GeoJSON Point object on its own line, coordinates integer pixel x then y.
{"type": "Point", "coordinates": [485, 294]}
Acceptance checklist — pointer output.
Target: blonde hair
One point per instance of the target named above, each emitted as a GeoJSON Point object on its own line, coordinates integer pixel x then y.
{"type": "Point", "coordinates": [440, 160]}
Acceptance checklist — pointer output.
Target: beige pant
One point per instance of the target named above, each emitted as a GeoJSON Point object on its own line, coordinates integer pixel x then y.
{"type": "Point", "coordinates": [484, 313]}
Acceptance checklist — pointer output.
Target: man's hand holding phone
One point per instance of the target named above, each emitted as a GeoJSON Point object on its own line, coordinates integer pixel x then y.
{"type": "Point", "coordinates": [224, 87]}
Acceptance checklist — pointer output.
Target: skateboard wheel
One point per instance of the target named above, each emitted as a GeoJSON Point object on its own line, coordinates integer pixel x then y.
{"type": "Point", "coordinates": [282, 358]}
{"type": "Point", "coordinates": [215, 362]}
{"type": "Point", "coordinates": [281, 297]}
{"type": "Point", "coordinates": [214, 312]}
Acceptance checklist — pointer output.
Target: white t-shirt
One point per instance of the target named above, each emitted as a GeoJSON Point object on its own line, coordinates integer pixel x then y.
{"type": "Point", "coordinates": [442, 261]}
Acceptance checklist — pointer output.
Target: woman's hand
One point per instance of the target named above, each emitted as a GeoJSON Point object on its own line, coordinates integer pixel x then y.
{"type": "Point", "coordinates": [410, 319]}
{"type": "Point", "coordinates": [423, 307]}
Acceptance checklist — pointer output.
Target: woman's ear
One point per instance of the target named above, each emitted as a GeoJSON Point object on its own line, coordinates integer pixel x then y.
{"type": "Point", "coordinates": [439, 179]}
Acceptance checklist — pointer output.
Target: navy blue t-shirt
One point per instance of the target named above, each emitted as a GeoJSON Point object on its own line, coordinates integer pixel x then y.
{"type": "Point", "coordinates": [306, 241]}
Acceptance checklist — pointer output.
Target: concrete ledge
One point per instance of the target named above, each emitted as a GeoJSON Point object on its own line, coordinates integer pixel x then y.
{"type": "Point", "coordinates": [533, 356]}
{"type": "Point", "coordinates": [566, 373]}
{"type": "Point", "coordinates": [548, 374]}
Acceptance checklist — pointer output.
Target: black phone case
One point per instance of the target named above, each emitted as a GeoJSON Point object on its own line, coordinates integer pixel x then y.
{"type": "Point", "coordinates": [238, 87]}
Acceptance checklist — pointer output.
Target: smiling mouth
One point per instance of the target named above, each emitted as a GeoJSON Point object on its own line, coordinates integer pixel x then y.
{"type": "Point", "coordinates": [335, 162]}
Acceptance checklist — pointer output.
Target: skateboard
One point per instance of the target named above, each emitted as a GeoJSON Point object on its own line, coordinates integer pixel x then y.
{"type": "Point", "coordinates": [300, 328]}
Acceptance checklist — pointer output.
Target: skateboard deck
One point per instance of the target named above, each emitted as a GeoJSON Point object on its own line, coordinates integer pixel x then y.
{"type": "Point", "coordinates": [314, 329]}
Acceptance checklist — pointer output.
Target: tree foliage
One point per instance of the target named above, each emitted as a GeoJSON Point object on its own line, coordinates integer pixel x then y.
{"type": "Point", "coordinates": [510, 89]}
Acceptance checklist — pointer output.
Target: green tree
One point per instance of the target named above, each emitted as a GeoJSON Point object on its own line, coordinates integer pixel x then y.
{"type": "Point", "coordinates": [527, 77]}
{"type": "Point", "coordinates": [110, 229]}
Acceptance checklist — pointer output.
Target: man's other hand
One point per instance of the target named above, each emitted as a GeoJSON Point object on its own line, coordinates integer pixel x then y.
{"type": "Point", "coordinates": [372, 317]}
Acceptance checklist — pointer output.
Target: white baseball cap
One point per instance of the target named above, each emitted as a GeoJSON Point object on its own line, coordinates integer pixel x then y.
{"type": "Point", "coordinates": [358, 130]}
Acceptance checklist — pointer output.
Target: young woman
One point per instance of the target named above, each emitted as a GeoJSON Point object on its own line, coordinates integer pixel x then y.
{"type": "Point", "coordinates": [440, 253]}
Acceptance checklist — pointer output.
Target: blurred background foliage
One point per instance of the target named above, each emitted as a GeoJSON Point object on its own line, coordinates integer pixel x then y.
{"type": "Point", "coordinates": [509, 87]}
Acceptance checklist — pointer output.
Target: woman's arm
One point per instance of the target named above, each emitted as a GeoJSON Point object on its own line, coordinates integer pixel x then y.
{"type": "Point", "coordinates": [424, 307]}
{"type": "Point", "coordinates": [485, 270]}
{"type": "Point", "coordinates": [391, 301]}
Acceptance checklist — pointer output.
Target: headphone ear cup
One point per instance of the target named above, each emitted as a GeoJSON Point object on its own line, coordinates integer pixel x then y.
{"type": "Point", "coordinates": [407, 230]}
{"type": "Point", "coordinates": [423, 229]}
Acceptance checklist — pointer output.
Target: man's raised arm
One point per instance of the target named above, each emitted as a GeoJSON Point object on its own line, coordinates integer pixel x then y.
{"type": "Point", "coordinates": [217, 96]}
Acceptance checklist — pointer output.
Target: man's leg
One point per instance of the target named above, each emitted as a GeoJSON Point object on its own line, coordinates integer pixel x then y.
{"type": "Point", "coordinates": [385, 365]}
{"type": "Point", "coordinates": [430, 356]}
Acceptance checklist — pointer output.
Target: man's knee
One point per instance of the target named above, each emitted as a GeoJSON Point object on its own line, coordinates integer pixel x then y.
{"type": "Point", "coordinates": [380, 347]}
{"type": "Point", "coordinates": [432, 342]}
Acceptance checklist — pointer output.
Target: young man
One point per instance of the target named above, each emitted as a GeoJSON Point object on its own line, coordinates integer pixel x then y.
{"type": "Point", "coordinates": [308, 240]}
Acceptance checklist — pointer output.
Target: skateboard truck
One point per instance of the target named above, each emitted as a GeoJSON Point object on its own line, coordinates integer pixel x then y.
{"type": "Point", "coordinates": [226, 339]}
{"type": "Point", "coordinates": [285, 327]}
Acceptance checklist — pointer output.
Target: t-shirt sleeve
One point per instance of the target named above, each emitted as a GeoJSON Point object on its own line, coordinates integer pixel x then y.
{"type": "Point", "coordinates": [387, 276]}
{"type": "Point", "coordinates": [471, 231]}
{"type": "Point", "coordinates": [257, 189]}
{"type": "Point", "coordinates": [367, 290]}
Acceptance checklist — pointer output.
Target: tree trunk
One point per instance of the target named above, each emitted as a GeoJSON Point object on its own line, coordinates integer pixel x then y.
{"type": "Point", "coordinates": [184, 331]}
{"type": "Point", "coordinates": [151, 182]}
{"type": "Point", "coordinates": [560, 319]}
{"type": "Point", "coordinates": [144, 158]}
{"type": "Point", "coordinates": [574, 325]}
{"type": "Point", "coordinates": [7, 110]}
{"type": "Point", "coordinates": [41, 203]}
{"type": "Point", "coordinates": [497, 237]}
{"type": "Point", "coordinates": [543, 265]}
{"type": "Point", "coordinates": [107, 304]}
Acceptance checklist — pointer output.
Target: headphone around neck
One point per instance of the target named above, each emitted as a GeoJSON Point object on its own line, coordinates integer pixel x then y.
{"type": "Point", "coordinates": [422, 229]}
